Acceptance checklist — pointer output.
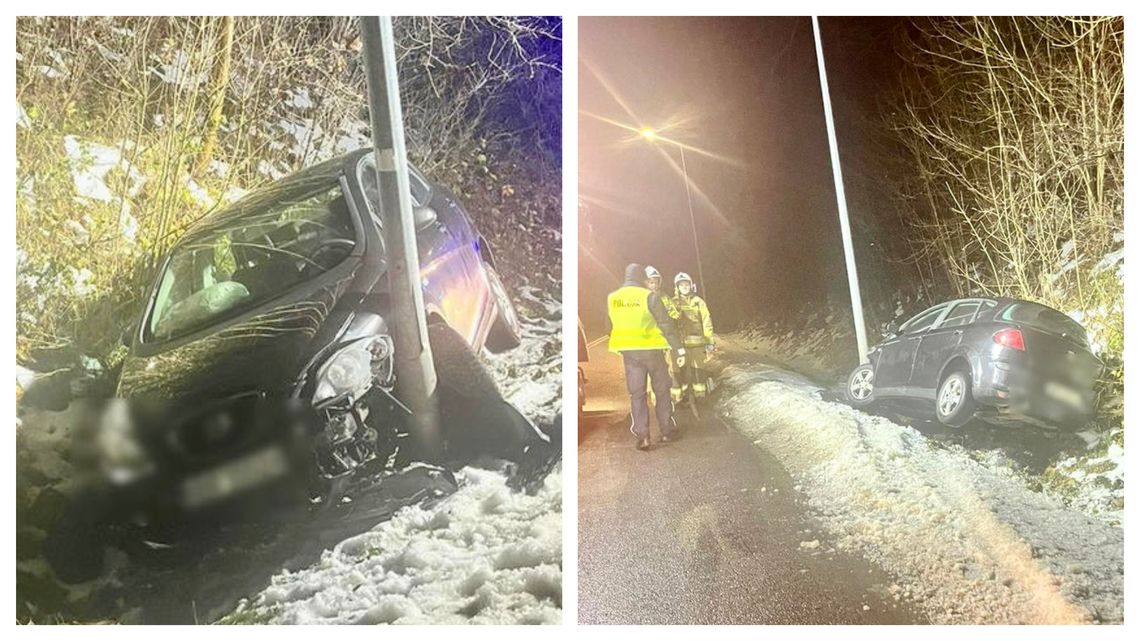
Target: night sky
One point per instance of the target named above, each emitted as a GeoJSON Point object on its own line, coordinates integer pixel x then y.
{"type": "Point", "coordinates": [746, 90]}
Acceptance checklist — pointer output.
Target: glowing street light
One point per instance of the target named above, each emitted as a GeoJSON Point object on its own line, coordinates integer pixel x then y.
{"type": "Point", "coordinates": [651, 135]}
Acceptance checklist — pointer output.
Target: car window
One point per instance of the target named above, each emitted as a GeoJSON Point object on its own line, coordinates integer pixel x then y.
{"type": "Point", "coordinates": [960, 314]}
{"type": "Point", "coordinates": [923, 321]}
{"type": "Point", "coordinates": [250, 258]}
{"type": "Point", "coordinates": [366, 173]}
{"type": "Point", "coordinates": [1047, 320]}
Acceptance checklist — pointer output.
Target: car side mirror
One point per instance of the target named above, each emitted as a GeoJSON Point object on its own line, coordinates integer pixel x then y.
{"type": "Point", "coordinates": [893, 328]}
{"type": "Point", "coordinates": [424, 216]}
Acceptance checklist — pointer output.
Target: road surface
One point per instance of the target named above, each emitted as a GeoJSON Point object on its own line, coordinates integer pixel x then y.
{"type": "Point", "coordinates": [708, 530]}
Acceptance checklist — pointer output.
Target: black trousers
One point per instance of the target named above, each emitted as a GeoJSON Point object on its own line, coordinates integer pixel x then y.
{"type": "Point", "coordinates": [639, 366]}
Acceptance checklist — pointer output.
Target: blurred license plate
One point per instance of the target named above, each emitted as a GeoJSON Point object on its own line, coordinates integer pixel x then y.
{"type": "Point", "coordinates": [233, 477]}
{"type": "Point", "coordinates": [1064, 394]}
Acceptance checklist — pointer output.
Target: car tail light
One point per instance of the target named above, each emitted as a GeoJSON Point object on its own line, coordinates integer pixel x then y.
{"type": "Point", "coordinates": [1010, 338]}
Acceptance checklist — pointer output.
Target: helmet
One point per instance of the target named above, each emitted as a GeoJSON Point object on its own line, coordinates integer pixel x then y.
{"type": "Point", "coordinates": [680, 277]}
{"type": "Point", "coordinates": [651, 272]}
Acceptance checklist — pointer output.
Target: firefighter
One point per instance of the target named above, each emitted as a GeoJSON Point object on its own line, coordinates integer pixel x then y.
{"type": "Point", "coordinates": [653, 279]}
{"type": "Point", "coordinates": [694, 323]}
{"type": "Point", "coordinates": [642, 332]}
{"type": "Point", "coordinates": [653, 282]}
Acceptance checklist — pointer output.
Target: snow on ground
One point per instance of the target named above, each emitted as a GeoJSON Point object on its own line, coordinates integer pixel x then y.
{"type": "Point", "coordinates": [483, 555]}
{"type": "Point", "coordinates": [1092, 482]}
{"type": "Point", "coordinates": [530, 376]}
{"type": "Point", "coordinates": [91, 162]}
{"type": "Point", "coordinates": [971, 543]}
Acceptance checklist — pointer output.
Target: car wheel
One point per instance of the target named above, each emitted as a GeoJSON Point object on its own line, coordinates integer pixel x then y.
{"type": "Point", "coordinates": [861, 385]}
{"type": "Point", "coordinates": [954, 403]}
{"type": "Point", "coordinates": [506, 333]}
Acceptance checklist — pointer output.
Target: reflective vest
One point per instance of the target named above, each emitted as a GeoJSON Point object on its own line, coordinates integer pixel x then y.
{"type": "Point", "coordinates": [633, 325]}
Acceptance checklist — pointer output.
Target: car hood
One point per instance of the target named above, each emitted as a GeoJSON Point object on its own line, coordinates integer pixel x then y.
{"type": "Point", "coordinates": [260, 352]}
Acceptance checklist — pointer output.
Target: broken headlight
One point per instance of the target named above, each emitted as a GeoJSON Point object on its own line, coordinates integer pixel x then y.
{"type": "Point", "coordinates": [353, 369]}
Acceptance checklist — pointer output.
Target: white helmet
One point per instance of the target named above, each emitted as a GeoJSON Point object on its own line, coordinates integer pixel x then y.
{"type": "Point", "coordinates": [651, 272]}
{"type": "Point", "coordinates": [682, 276]}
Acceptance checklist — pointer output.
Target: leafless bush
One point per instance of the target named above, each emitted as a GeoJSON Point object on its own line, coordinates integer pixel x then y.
{"type": "Point", "coordinates": [154, 89]}
{"type": "Point", "coordinates": [1015, 131]}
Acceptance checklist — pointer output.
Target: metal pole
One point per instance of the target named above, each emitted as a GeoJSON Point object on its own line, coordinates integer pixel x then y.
{"type": "Point", "coordinates": [415, 373]}
{"type": "Point", "coordinates": [841, 201]}
{"type": "Point", "coordinates": [693, 220]}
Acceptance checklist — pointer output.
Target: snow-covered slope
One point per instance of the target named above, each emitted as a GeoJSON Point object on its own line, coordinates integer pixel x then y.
{"type": "Point", "coordinates": [972, 543]}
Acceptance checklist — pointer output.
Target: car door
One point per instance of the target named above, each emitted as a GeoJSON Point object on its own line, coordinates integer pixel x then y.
{"type": "Point", "coordinates": [443, 272]}
{"type": "Point", "coordinates": [938, 344]}
{"type": "Point", "coordinates": [459, 223]}
{"type": "Point", "coordinates": [896, 356]}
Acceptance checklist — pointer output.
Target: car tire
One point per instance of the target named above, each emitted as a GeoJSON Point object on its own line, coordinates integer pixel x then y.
{"type": "Point", "coordinates": [475, 419]}
{"type": "Point", "coordinates": [954, 404]}
{"type": "Point", "coordinates": [506, 333]}
{"type": "Point", "coordinates": [861, 385]}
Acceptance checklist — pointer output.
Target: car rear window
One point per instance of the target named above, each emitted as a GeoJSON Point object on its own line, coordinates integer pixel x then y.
{"type": "Point", "coordinates": [1046, 320]}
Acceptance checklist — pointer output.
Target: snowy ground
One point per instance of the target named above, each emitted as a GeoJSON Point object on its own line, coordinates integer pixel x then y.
{"type": "Point", "coordinates": [485, 554]}
{"type": "Point", "coordinates": [530, 376]}
{"type": "Point", "coordinates": [969, 542]}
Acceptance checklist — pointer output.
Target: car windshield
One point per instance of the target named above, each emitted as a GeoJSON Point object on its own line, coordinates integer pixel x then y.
{"type": "Point", "coordinates": [251, 255]}
{"type": "Point", "coordinates": [1046, 320]}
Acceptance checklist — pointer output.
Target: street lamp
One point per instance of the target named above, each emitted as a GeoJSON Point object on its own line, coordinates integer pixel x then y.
{"type": "Point", "coordinates": [841, 201]}
{"type": "Point", "coordinates": [651, 135]}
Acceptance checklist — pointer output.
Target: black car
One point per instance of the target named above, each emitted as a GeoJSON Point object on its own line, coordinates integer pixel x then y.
{"type": "Point", "coordinates": [264, 353]}
{"type": "Point", "coordinates": [999, 359]}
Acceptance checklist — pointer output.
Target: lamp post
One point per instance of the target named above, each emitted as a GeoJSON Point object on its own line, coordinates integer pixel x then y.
{"type": "Point", "coordinates": [841, 202]}
{"type": "Point", "coordinates": [651, 136]}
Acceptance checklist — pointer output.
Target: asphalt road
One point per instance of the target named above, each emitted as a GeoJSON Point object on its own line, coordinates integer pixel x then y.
{"type": "Point", "coordinates": [708, 530]}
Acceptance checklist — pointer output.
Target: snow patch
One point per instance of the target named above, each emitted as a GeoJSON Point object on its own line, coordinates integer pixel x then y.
{"type": "Point", "coordinates": [454, 562]}
{"type": "Point", "coordinates": [530, 375]}
{"type": "Point", "coordinates": [23, 120]}
{"type": "Point", "coordinates": [91, 162]}
{"type": "Point", "coordinates": [299, 98]}
{"type": "Point", "coordinates": [179, 71]}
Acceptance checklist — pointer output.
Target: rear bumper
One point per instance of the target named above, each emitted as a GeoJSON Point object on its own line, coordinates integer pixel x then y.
{"type": "Point", "coordinates": [1007, 391]}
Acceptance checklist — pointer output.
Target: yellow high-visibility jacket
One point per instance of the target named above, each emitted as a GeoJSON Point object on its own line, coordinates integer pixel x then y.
{"type": "Point", "coordinates": [632, 324]}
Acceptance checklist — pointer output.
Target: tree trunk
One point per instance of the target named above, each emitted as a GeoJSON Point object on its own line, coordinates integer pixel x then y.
{"type": "Point", "coordinates": [219, 80]}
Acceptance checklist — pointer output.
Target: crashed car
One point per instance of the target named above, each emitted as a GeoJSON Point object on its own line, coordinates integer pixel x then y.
{"type": "Point", "coordinates": [264, 354]}
{"type": "Point", "coordinates": [1002, 360]}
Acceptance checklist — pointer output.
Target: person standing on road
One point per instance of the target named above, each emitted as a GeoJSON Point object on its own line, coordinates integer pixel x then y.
{"type": "Point", "coordinates": [642, 332]}
{"type": "Point", "coordinates": [694, 323]}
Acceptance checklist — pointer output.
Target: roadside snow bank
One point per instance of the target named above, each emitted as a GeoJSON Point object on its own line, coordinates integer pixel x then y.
{"type": "Point", "coordinates": [483, 555]}
{"type": "Point", "coordinates": [972, 543]}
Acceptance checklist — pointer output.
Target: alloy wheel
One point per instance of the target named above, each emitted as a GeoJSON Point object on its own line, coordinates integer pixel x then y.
{"type": "Point", "coordinates": [862, 384]}
{"type": "Point", "coordinates": [951, 395]}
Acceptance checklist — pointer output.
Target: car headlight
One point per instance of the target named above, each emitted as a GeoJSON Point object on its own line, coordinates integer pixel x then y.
{"type": "Point", "coordinates": [352, 369]}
